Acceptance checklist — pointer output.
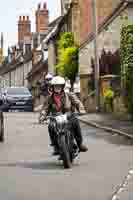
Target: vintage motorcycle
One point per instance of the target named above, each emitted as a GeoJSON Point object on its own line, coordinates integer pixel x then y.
{"type": "Point", "coordinates": [68, 149]}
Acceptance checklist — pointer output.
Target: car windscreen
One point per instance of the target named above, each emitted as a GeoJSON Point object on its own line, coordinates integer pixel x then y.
{"type": "Point", "coordinates": [18, 91]}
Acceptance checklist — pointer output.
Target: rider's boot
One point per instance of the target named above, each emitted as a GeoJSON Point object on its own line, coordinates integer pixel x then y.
{"type": "Point", "coordinates": [78, 135]}
{"type": "Point", "coordinates": [56, 151]}
{"type": "Point", "coordinates": [51, 135]}
{"type": "Point", "coordinates": [54, 143]}
{"type": "Point", "coordinates": [83, 148]}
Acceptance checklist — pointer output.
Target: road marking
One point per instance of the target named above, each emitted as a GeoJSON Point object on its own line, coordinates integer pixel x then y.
{"type": "Point", "coordinates": [122, 186]}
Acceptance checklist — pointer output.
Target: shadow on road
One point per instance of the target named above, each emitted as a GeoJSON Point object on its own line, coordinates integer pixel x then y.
{"type": "Point", "coordinates": [35, 165]}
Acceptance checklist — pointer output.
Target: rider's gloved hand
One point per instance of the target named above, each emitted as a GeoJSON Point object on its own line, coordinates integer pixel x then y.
{"type": "Point", "coordinates": [43, 117]}
{"type": "Point", "coordinates": [38, 108]}
{"type": "Point", "coordinates": [82, 112]}
{"type": "Point", "coordinates": [43, 112]}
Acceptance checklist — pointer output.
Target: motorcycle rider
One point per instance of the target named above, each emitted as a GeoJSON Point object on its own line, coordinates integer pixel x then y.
{"type": "Point", "coordinates": [59, 101]}
{"type": "Point", "coordinates": [48, 79]}
{"type": "Point", "coordinates": [68, 86]}
{"type": "Point", "coordinates": [44, 87]}
{"type": "Point", "coordinates": [76, 87]}
{"type": "Point", "coordinates": [47, 92]}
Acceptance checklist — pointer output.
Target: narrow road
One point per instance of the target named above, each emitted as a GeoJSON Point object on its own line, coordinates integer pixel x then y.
{"type": "Point", "coordinates": [29, 172]}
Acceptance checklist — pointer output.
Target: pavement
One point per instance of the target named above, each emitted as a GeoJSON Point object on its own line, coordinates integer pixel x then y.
{"type": "Point", "coordinates": [108, 122]}
{"type": "Point", "coordinates": [29, 172]}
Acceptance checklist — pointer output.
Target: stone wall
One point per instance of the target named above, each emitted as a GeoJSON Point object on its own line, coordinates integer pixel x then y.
{"type": "Point", "coordinates": [51, 57]}
{"type": "Point", "coordinates": [119, 106]}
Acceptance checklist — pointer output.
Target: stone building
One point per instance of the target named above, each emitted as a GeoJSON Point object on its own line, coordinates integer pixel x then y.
{"type": "Point", "coordinates": [18, 63]}
{"type": "Point", "coordinates": [15, 69]}
{"type": "Point", "coordinates": [110, 18]}
{"type": "Point", "coordinates": [24, 57]}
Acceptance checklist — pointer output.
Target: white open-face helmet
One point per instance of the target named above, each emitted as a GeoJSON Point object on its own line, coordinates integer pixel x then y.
{"type": "Point", "coordinates": [58, 80]}
{"type": "Point", "coordinates": [48, 76]}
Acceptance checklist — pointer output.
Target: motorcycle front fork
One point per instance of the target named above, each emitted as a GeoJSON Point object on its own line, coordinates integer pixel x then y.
{"type": "Point", "coordinates": [71, 143]}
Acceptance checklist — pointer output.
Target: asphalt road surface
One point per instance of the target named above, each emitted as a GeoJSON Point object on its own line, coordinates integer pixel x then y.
{"type": "Point", "coordinates": [29, 172]}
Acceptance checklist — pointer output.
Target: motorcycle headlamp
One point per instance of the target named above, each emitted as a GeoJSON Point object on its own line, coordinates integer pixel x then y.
{"type": "Point", "coordinates": [61, 121]}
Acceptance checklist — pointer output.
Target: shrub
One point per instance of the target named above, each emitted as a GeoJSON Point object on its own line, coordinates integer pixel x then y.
{"type": "Point", "coordinates": [126, 53]}
{"type": "Point", "coordinates": [108, 95]}
{"type": "Point", "coordinates": [68, 56]}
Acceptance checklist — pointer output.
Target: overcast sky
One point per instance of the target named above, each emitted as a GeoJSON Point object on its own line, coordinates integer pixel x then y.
{"type": "Point", "coordinates": [10, 11]}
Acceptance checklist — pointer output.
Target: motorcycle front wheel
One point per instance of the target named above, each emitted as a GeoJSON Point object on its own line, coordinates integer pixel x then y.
{"type": "Point", "coordinates": [65, 154]}
{"type": "Point", "coordinates": [1, 127]}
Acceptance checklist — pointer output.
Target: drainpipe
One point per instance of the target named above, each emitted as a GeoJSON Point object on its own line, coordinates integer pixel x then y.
{"type": "Point", "coordinates": [10, 82]}
{"type": "Point", "coordinates": [61, 7]}
{"type": "Point", "coordinates": [96, 60]}
{"type": "Point", "coordinates": [23, 74]}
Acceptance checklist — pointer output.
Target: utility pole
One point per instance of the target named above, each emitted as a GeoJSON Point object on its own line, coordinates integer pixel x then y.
{"type": "Point", "coordinates": [61, 7]}
{"type": "Point", "coordinates": [96, 58]}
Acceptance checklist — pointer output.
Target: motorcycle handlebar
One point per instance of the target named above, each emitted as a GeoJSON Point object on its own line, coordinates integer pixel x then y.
{"type": "Point", "coordinates": [69, 115]}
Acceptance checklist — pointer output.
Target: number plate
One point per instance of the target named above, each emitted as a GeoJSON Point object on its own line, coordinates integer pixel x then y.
{"type": "Point", "coordinates": [20, 103]}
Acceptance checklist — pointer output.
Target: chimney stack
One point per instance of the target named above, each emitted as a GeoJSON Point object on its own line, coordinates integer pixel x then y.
{"type": "Point", "coordinates": [24, 28]}
{"type": "Point", "coordinates": [39, 6]}
{"type": "Point", "coordinates": [42, 19]}
{"type": "Point", "coordinates": [45, 6]}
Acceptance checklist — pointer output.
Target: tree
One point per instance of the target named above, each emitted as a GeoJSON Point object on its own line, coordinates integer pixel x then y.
{"type": "Point", "coordinates": [68, 56]}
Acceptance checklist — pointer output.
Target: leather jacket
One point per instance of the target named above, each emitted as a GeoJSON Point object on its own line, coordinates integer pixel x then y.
{"type": "Point", "coordinates": [69, 101]}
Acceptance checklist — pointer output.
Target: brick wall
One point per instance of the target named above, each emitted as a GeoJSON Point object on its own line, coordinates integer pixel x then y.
{"type": "Point", "coordinates": [104, 9]}
{"type": "Point", "coordinates": [75, 20]}
{"type": "Point", "coordinates": [42, 19]}
{"type": "Point", "coordinates": [85, 19]}
{"type": "Point", "coordinates": [24, 28]}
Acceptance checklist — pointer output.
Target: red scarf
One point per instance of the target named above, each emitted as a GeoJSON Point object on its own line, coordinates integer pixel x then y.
{"type": "Point", "coordinates": [57, 100]}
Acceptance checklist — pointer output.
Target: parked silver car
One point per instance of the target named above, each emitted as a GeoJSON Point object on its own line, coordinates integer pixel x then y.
{"type": "Point", "coordinates": [19, 98]}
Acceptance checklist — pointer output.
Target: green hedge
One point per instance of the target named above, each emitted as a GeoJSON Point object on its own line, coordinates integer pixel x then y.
{"type": "Point", "coordinates": [126, 52]}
